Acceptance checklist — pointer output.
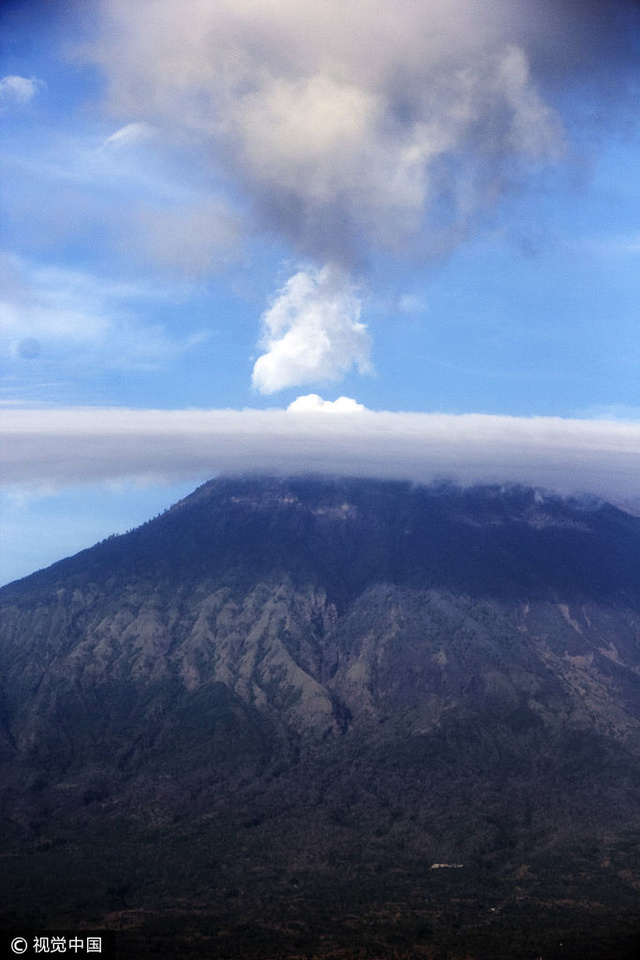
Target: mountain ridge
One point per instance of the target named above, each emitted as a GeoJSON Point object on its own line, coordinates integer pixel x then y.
{"type": "Point", "coordinates": [316, 680]}
{"type": "Point", "coordinates": [445, 503]}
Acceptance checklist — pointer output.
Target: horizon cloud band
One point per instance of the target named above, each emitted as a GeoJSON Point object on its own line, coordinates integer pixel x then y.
{"type": "Point", "coordinates": [63, 447]}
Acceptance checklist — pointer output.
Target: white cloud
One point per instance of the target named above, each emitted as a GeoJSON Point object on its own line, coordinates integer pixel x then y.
{"type": "Point", "coordinates": [19, 89]}
{"type": "Point", "coordinates": [131, 133]}
{"type": "Point", "coordinates": [312, 332]}
{"type": "Point", "coordinates": [312, 403]}
{"type": "Point", "coordinates": [62, 447]}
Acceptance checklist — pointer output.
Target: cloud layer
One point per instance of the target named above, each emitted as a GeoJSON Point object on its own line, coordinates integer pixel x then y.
{"type": "Point", "coordinates": [62, 447]}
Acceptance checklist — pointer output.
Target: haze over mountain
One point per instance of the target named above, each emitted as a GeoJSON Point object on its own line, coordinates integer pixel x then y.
{"type": "Point", "coordinates": [254, 726]}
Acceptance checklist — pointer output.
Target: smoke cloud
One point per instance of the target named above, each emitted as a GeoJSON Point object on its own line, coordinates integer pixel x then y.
{"type": "Point", "coordinates": [350, 128]}
{"type": "Point", "coordinates": [314, 403]}
{"type": "Point", "coordinates": [312, 332]}
{"type": "Point", "coordinates": [360, 122]}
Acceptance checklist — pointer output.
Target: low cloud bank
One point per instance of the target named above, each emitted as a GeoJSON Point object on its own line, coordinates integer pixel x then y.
{"type": "Point", "coordinates": [58, 448]}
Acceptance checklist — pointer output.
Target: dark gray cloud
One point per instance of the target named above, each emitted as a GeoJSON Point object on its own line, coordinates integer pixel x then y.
{"type": "Point", "coordinates": [346, 127]}
{"type": "Point", "coordinates": [366, 127]}
{"type": "Point", "coordinates": [361, 125]}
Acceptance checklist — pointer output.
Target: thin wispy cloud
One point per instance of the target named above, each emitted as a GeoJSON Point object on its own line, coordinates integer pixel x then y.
{"type": "Point", "coordinates": [627, 245]}
{"type": "Point", "coordinates": [78, 318]}
{"type": "Point", "coordinates": [19, 90]}
{"type": "Point", "coordinates": [124, 194]}
{"type": "Point", "coordinates": [129, 134]}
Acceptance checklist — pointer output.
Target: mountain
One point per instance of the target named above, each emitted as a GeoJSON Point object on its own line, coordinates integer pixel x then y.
{"type": "Point", "coordinates": [331, 718]}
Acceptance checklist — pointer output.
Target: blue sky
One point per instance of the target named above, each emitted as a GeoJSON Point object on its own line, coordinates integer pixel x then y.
{"type": "Point", "coordinates": [426, 208]}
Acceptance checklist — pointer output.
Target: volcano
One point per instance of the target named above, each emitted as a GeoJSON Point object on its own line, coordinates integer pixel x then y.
{"type": "Point", "coordinates": [331, 718]}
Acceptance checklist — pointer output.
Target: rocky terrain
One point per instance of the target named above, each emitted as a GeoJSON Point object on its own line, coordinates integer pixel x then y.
{"type": "Point", "coordinates": [334, 719]}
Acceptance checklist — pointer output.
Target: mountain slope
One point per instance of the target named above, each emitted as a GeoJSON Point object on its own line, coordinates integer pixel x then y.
{"type": "Point", "coordinates": [306, 692]}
